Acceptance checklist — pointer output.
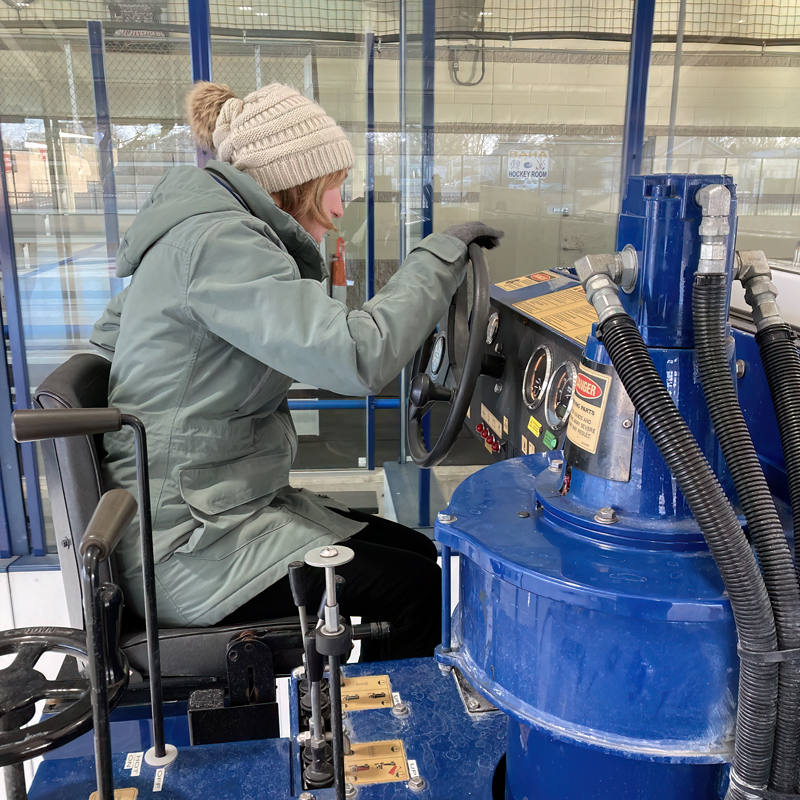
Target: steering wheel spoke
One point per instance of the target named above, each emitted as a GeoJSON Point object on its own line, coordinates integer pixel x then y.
{"type": "Point", "coordinates": [29, 654]}
{"type": "Point", "coordinates": [63, 690]}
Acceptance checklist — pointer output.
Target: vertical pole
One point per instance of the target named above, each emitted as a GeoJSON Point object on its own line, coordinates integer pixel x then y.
{"type": "Point", "coordinates": [676, 80]}
{"type": "Point", "coordinates": [446, 611]}
{"type": "Point", "coordinates": [638, 72]}
{"type": "Point", "coordinates": [102, 138]}
{"type": "Point", "coordinates": [428, 83]}
{"type": "Point", "coordinates": [200, 48]}
{"type": "Point", "coordinates": [403, 186]}
{"type": "Point", "coordinates": [16, 526]}
{"type": "Point", "coordinates": [257, 54]}
{"type": "Point", "coordinates": [73, 98]}
{"type": "Point", "coordinates": [369, 269]}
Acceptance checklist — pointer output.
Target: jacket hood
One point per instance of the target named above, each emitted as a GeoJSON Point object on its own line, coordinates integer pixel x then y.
{"type": "Point", "coordinates": [186, 192]}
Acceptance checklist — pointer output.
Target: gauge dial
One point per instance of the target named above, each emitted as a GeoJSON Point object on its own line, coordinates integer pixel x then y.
{"type": "Point", "coordinates": [437, 354]}
{"type": "Point", "coordinates": [559, 395]}
{"type": "Point", "coordinates": [537, 373]}
{"type": "Point", "coordinates": [491, 328]}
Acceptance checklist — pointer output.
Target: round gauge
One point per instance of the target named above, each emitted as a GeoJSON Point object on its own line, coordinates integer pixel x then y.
{"type": "Point", "coordinates": [437, 354]}
{"type": "Point", "coordinates": [559, 395]}
{"type": "Point", "coordinates": [537, 373]}
{"type": "Point", "coordinates": [491, 328]}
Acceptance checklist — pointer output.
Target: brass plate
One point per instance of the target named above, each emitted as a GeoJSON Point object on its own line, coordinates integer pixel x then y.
{"type": "Point", "coordinates": [376, 762]}
{"type": "Point", "coordinates": [119, 794]}
{"type": "Point", "coordinates": [369, 691]}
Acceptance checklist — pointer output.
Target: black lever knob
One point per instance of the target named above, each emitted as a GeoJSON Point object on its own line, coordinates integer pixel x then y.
{"type": "Point", "coordinates": [28, 425]}
{"type": "Point", "coordinates": [493, 365]}
{"type": "Point", "coordinates": [298, 583]}
{"type": "Point", "coordinates": [424, 390]}
{"type": "Point", "coordinates": [315, 662]}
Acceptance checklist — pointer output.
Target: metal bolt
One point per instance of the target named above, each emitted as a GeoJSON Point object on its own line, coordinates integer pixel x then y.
{"type": "Point", "coordinates": [445, 669]}
{"type": "Point", "coordinates": [627, 423]}
{"type": "Point", "coordinates": [498, 348]}
{"type": "Point", "coordinates": [233, 655]}
{"type": "Point", "coordinates": [607, 516]}
{"type": "Point", "coordinates": [400, 709]}
{"type": "Point", "coordinates": [66, 543]}
{"type": "Point", "coordinates": [416, 784]}
{"type": "Point", "coordinates": [350, 790]}
{"type": "Point", "coordinates": [304, 737]}
{"type": "Point", "coordinates": [445, 518]}
{"type": "Point", "coordinates": [473, 704]}
{"type": "Point", "coordinates": [306, 796]}
{"type": "Point", "coordinates": [498, 387]}
{"type": "Point", "coordinates": [298, 673]}
{"type": "Point", "coordinates": [741, 368]}
{"type": "Point", "coordinates": [555, 465]}
{"type": "Point", "coordinates": [329, 552]}
{"type": "Point", "coordinates": [523, 514]}
{"type": "Point", "coordinates": [344, 714]}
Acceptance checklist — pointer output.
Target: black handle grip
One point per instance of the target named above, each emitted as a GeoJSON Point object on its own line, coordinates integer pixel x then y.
{"type": "Point", "coordinates": [298, 583]}
{"type": "Point", "coordinates": [315, 662]}
{"type": "Point", "coordinates": [30, 425]}
{"type": "Point", "coordinates": [112, 515]}
{"type": "Point", "coordinates": [372, 630]}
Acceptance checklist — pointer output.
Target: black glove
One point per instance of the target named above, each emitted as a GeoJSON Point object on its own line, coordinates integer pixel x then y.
{"type": "Point", "coordinates": [477, 232]}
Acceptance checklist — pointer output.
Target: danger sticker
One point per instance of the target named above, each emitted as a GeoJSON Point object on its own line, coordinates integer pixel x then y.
{"type": "Point", "coordinates": [588, 408]}
{"type": "Point", "coordinates": [524, 281]}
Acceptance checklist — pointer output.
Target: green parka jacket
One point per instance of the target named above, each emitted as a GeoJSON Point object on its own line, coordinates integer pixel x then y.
{"type": "Point", "coordinates": [225, 308]}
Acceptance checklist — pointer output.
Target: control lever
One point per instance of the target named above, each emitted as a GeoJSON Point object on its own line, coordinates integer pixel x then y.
{"type": "Point", "coordinates": [334, 640]}
{"type": "Point", "coordinates": [297, 582]}
{"type": "Point", "coordinates": [340, 584]}
{"type": "Point", "coordinates": [319, 773]}
{"type": "Point", "coordinates": [372, 630]}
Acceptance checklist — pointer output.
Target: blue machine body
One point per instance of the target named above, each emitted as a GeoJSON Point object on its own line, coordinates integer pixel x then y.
{"type": "Point", "coordinates": [611, 647]}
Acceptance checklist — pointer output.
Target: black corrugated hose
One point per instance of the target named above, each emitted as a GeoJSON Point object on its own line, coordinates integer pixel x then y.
{"type": "Point", "coordinates": [758, 684]}
{"type": "Point", "coordinates": [782, 366]}
{"type": "Point", "coordinates": [710, 313]}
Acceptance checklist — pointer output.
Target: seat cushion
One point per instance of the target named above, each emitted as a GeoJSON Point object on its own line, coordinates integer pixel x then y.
{"type": "Point", "coordinates": [200, 652]}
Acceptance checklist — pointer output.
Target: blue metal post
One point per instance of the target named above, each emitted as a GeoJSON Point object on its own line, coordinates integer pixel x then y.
{"type": "Point", "coordinates": [200, 48]}
{"type": "Point", "coordinates": [13, 527]}
{"type": "Point", "coordinates": [370, 191]}
{"type": "Point", "coordinates": [446, 591]}
{"type": "Point", "coordinates": [102, 138]}
{"type": "Point", "coordinates": [428, 83]}
{"type": "Point", "coordinates": [638, 72]}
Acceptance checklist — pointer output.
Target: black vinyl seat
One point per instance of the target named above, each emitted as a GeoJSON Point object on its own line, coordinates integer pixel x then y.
{"type": "Point", "coordinates": [74, 484]}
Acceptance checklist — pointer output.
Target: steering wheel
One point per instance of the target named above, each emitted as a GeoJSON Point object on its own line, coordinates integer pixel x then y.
{"type": "Point", "coordinates": [21, 686]}
{"type": "Point", "coordinates": [447, 366]}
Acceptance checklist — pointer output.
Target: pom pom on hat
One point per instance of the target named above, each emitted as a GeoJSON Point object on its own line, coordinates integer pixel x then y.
{"type": "Point", "coordinates": [277, 136]}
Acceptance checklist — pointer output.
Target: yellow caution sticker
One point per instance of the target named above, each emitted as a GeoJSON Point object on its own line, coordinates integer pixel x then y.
{"type": "Point", "coordinates": [588, 407]}
{"type": "Point", "coordinates": [505, 424]}
{"type": "Point", "coordinates": [369, 691]}
{"type": "Point", "coordinates": [566, 312]}
{"type": "Point", "coordinates": [524, 281]}
{"type": "Point", "coordinates": [492, 421]}
{"type": "Point", "coordinates": [376, 762]}
{"type": "Point", "coordinates": [119, 794]}
{"type": "Point", "coordinates": [534, 426]}
{"type": "Point", "coordinates": [524, 446]}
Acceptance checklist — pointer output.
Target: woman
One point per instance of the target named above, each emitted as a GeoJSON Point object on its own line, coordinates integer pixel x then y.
{"type": "Point", "coordinates": [224, 310]}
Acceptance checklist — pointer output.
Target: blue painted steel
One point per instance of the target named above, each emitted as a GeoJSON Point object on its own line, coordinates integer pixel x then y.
{"type": "Point", "coordinates": [17, 527]}
{"type": "Point", "coordinates": [319, 405]}
{"type": "Point", "coordinates": [636, 103]}
{"type": "Point", "coordinates": [660, 220]}
{"type": "Point", "coordinates": [200, 50]}
{"type": "Point", "coordinates": [102, 139]}
{"type": "Point", "coordinates": [616, 647]}
{"type": "Point", "coordinates": [446, 601]}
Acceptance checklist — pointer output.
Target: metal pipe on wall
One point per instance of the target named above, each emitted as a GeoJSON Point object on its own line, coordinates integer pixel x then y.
{"type": "Point", "coordinates": [676, 79]}
{"type": "Point", "coordinates": [200, 49]}
{"type": "Point", "coordinates": [369, 267]}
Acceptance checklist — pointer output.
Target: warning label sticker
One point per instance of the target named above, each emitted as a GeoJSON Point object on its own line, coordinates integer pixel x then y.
{"type": "Point", "coordinates": [566, 312]}
{"type": "Point", "coordinates": [119, 794]}
{"type": "Point", "coordinates": [492, 421]}
{"type": "Point", "coordinates": [588, 406]}
{"type": "Point", "coordinates": [369, 691]}
{"type": "Point", "coordinates": [534, 426]}
{"type": "Point", "coordinates": [376, 762]}
{"type": "Point", "coordinates": [523, 281]}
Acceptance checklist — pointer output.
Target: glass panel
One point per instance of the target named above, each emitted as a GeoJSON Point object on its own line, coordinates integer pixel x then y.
{"type": "Point", "coordinates": [734, 104]}
{"type": "Point", "coordinates": [49, 129]}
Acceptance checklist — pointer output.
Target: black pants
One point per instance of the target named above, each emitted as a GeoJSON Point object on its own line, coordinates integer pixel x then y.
{"type": "Point", "coordinates": [393, 578]}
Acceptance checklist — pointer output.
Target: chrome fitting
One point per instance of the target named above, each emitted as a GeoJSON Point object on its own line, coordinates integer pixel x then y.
{"type": "Point", "coordinates": [752, 269]}
{"type": "Point", "coordinates": [715, 201]}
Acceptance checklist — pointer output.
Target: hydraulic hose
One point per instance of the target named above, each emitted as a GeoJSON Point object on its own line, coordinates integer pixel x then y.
{"type": "Point", "coordinates": [710, 312]}
{"type": "Point", "coordinates": [782, 366]}
{"type": "Point", "coordinates": [752, 611]}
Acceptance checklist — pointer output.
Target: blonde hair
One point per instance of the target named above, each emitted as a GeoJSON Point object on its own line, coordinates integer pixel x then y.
{"type": "Point", "coordinates": [306, 199]}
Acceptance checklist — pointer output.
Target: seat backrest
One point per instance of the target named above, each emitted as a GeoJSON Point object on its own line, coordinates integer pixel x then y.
{"type": "Point", "coordinates": [72, 467]}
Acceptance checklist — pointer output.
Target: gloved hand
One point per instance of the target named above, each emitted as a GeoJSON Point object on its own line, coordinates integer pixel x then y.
{"type": "Point", "coordinates": [477, 232]}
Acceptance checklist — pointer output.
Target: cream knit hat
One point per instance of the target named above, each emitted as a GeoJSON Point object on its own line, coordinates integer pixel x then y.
{"type": "Point", "coordinates": [280, 138]}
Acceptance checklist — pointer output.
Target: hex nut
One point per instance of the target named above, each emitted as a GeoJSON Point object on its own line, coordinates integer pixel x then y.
{"type": "Point", "coordinates": [606, 516]}
{"type": "Point", "coordinates": [400, 709]}
{"type": "Point", "coordinates": [445, 518]}
{"type": "Point", "coordinates": [416, 784]}
{"type": "Point", "coordinates": [555, 465]}
{"type": "Point", "coordinates": [350, 790]}
{"type": "Point", "coordinates": [306, 796]}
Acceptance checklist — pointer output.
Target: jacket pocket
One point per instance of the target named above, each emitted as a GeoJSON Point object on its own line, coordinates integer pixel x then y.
{"type": "Point", "coordinates": [219, 488]}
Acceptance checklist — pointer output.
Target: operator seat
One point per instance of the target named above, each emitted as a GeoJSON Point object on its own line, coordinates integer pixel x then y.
{"type": "Point", "coordinates": [74, 483]}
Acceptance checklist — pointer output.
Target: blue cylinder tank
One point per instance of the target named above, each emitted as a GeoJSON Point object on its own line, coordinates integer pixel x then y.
{"type": "Point", "coordinates": [611, 648]}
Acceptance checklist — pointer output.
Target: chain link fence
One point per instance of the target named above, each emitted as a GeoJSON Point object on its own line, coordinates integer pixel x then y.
{"type": "Point", "coordinates": [348, 19]}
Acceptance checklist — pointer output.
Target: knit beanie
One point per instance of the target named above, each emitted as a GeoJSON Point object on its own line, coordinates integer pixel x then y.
{"type": "Point", "coordinates": [276, 135]}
